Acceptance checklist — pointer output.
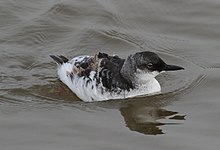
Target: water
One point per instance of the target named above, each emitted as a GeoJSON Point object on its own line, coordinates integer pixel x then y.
{"type": "Point", "coordinates": [39, 112]}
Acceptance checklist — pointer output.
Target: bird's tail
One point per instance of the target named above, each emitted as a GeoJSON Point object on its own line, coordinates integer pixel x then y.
{"type": "Point", "coordinates": [59, 59]}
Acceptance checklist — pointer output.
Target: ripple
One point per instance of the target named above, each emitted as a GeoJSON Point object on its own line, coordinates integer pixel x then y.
{"type": "Point", "coordinates": [180, 81]}
{"type": "Point", "coordinates": [125, 37]}
{"type": "Point", "coordinates": [63, 9]}
{"type": "Point", "coordinates": [151, 42]}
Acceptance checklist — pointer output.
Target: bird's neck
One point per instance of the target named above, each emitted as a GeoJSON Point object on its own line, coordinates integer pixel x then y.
{"type": "Point", "coordinates": [135, 76]}
{"type": "Point", "coordinates": [128, 70]}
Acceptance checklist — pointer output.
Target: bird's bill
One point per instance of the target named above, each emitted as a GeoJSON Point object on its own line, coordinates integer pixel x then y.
{"type": "Point", "coordinates": [172, 68]}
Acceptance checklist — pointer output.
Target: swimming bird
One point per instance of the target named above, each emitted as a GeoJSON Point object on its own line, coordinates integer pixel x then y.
{"type": "Point", "coordinates": [102, 77]}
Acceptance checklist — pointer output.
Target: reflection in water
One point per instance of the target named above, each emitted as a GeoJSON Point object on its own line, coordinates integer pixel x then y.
{"type": "Point", "coordinates": [55, 91]}
{"type": "Point", "coordinates": [145, 115]}
{"type": "Point", "coordinates": [148, 119]}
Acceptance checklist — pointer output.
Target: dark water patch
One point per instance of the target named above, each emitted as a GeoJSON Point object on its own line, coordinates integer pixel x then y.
{"type": "Point", "coordinates": [50, 96]}
{"type": "Point", "coordinates": [56, 90]}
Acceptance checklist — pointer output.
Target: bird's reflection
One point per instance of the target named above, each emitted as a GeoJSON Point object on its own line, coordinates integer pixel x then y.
{"type": "Point", "coordinates": [147, 117]}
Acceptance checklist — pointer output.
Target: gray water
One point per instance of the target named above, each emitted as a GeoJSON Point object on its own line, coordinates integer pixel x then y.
{"type": "Point", "coordinates": [39, 112]}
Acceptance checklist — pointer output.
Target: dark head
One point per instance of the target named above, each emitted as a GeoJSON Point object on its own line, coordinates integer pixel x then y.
{"type": "Point", "coordinates": [143, 66]}
{"type": "Point", "coordinates": [151, 62]}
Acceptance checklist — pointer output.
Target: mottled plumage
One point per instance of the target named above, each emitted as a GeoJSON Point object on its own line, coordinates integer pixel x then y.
{"type": "Point", "coordinates": [103, 77]}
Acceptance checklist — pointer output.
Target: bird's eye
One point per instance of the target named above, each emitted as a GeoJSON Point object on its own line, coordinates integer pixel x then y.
{"type": "Point", "coordinates": [149, 65]}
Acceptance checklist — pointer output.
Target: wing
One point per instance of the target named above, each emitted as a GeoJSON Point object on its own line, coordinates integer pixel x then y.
{"type": "Point", "coordinates": [107, 69]}
{"type": "Point", "coordinates": [109, 73]}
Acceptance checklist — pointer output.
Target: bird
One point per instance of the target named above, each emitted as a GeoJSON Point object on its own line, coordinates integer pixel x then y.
{"type": "Point", "coordinates": [104, 77]}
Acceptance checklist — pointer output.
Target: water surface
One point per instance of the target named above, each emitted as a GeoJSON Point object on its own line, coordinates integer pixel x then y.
{"type": "Point", "coordinates": [39, 112]}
